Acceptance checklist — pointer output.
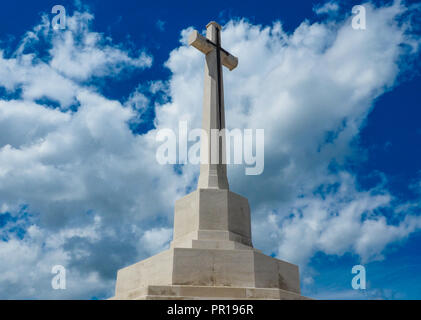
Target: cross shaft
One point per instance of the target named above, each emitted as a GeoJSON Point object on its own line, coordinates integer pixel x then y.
{"type": "Point", "coordinates": [213, 175]}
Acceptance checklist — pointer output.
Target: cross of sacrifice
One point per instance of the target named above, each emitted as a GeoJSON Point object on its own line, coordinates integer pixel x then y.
{"type": "Point", "coordinates": [213, 175]}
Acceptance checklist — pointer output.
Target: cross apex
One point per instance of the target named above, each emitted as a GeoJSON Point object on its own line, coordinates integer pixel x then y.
{"type": "Point", "coordinates": [218, 26]}
{"type": "Point", "coordinates": [205, 46]}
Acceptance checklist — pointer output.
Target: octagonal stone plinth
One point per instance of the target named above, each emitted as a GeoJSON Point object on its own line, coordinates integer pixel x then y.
{"type": "Point", "coordinates": [240, 268]}
{"type": "Point", "coordinates": [212, 215]}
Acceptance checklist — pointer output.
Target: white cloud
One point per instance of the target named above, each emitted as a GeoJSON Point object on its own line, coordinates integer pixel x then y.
{"type": "Point", "coordinates": [137, 101]}
{"type": "Point", "coordinates": [25, 271]}
{"type": "Point", "coordinates": [156, 239]}
{"type": "Point", "coordinates": [343, 221]}
{"type": "Point", "coordinates": [91, 54]}
{"type": "Point", "coordinates": [327, 7]}
{"type": "Point", "coordinates": [76, 54]}
{"type": "Point", "coordinates": [68, 165]}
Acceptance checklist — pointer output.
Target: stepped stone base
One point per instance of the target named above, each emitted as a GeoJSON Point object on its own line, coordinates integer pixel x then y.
{"type": "Point", "coordinates": [210, 257]}
{"type": "Point", "coordinates": [191, 273]}
{"type": "Point", "coordinates": [207, 293]}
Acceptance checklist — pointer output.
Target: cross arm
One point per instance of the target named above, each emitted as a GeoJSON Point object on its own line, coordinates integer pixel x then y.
{"type": "Point", "coordinates": [200, 42]}
{"type": "Point", "coordinates": [229, 60]}
{"type": "Point", "coordinates": [205, 45]}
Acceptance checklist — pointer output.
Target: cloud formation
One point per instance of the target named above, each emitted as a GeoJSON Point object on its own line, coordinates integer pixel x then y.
{"type": "Point", "coordinates": [70, 162]}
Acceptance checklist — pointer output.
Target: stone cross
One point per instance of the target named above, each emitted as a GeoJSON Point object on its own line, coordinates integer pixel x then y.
{"type": "Point", "coordinates": [213, 175]}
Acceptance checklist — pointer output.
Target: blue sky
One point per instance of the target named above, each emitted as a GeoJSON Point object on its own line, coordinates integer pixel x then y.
{"type": "Point", "coordinates": [79, 110]}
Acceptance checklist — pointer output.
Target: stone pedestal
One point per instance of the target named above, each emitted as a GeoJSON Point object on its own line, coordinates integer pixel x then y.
{"type": "Point", "coordinates": [210, 257]}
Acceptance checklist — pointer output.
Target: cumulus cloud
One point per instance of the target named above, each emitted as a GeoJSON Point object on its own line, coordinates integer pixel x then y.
{"type": "Point", "coordinates": [28, 258]}
{"type": "Point", "coordinates": [156, 239]}
{"type": "Point", "coordinates": [75, 168]}
{"type": "Point", "coordinates": [91, 54]}
{"type": "Point", "coordinates": [75, 54]}
{"type": "Point", "coordinates": [337, 222]}
{"type": "Point", "coordinates": [94, 198]}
